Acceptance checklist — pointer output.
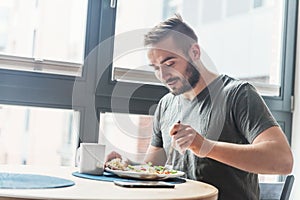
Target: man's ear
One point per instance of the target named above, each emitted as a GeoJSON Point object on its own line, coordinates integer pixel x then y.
{"type": "Point", "coordinates": [195, 52]}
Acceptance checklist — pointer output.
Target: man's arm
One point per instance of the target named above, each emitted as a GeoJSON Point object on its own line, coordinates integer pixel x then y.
{"type": "Point", "coordinates": [268, 154]}
{"type": "Point", "coordinates": [155, 155]}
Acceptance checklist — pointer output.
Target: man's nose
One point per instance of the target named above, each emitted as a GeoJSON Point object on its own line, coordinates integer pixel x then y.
{"type": "Point", "coordinates": [165, 72]}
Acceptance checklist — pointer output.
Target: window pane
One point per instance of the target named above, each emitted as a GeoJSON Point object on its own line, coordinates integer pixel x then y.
{"type": "Point", "coordinates": [126, 133]}
{"type": "Point", "coordinates": [243, 40]}
{"type": "Point", "coordinates": [46, 30]}
{"type": "Point", "coordinates": [37, 136]}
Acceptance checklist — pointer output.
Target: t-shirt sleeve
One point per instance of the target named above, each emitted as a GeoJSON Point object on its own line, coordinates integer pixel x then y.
{"type": "Point", "coordinates": [156, 139]}
{"type": "Point", "coordinates": [251, 113]}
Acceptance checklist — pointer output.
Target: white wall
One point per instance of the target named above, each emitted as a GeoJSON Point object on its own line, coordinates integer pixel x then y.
{"type": "Point", "coordinates": [296, 126]}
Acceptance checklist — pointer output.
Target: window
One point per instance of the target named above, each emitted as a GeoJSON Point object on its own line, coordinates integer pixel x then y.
{"type": "Point", "coordinates": [44, 85]}
{"type": "Point", "coordinates": [131, 133]}
{"type": "Point", "coordinates": [232, 33]}
{"type": "Point", "coordinates": [44, 36]}
{"type": "Point", "coordinates": [37, 136]}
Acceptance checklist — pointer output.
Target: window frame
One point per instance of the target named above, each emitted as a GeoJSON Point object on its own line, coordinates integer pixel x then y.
{"type": "Point", "coordinates": [284, 102]}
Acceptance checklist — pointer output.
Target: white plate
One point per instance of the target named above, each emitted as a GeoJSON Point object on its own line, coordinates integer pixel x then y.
{"type": "Point", "coordinates": [144, 175]}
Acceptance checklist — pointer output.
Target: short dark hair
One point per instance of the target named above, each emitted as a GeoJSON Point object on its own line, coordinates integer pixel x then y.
{"type": "Point", "coordinates": [181, 32]}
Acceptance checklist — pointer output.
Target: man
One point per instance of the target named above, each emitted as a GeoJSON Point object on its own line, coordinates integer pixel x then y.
{"type": "Point", "coordinates": [226, 134]}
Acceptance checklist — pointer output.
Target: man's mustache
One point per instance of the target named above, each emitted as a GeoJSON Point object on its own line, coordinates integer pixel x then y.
{"type": "Point", "coordinates": [172, 79]}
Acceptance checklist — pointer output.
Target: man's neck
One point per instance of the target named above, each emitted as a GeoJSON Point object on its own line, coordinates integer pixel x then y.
{"type": "Point", "coordinates": [206, 77]}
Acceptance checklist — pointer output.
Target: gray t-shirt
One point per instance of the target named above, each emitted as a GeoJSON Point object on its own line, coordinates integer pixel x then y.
{"type": "Point", "coordinates": [227, 110]}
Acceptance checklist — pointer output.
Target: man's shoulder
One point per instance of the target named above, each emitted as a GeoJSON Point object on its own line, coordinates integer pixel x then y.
{"type": "Point", "coordinates": [233, 84]}
{"type": "Point", "coordinates": [236, 90]}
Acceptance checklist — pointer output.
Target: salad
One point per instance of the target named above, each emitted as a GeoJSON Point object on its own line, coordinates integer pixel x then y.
{"type": "Point", "coordinates": [117, 164]}
{"type": "Point", "coordinates": [152, 169]}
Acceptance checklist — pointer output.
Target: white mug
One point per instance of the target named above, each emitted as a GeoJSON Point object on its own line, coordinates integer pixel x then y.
{"type": "Point", "coordinates": [90, 158]}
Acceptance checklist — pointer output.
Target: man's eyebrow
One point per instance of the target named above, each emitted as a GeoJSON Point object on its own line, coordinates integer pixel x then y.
{"type": "Point", "coordinates": [163, 61]}
{"type": "Point", "coordinates": [166, 59]}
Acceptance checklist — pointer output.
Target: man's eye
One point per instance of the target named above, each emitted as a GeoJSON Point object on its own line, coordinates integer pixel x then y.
{"type": "Point", "coordinates": [169, 64]}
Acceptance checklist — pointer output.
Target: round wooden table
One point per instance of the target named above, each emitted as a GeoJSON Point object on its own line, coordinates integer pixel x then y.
{"type": "Point", "coordinates": [91, 189]}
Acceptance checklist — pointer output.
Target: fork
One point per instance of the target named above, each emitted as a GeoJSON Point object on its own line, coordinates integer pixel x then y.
{"type": "Point", "coordinates": [169, 161]}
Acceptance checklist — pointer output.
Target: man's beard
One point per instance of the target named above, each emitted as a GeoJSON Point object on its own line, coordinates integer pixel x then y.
{"type": "Point", "coordinates": [190, 82]}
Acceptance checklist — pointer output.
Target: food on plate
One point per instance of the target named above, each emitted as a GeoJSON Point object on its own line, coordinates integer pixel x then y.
{"type": "Point", "coordinates": [117, 164]}
{"type": "Point", "coordinates": [151, 169]}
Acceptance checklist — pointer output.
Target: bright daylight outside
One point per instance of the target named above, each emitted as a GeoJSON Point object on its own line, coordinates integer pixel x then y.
{"type": "Point", "coordinates": [44, 36]}
{"type": "Point", "coordinates": [244, 35]}
{"type": "Point", "coordinates": [37, 136]}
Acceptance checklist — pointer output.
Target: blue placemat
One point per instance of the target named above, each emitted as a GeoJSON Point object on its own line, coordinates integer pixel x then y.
{"type": "Point", "coordinates": [107, 176]}
{"type": "Point", "coordinates": [31, 181]}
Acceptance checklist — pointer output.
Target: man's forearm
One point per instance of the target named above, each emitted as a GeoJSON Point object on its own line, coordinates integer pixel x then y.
{"type": "Point", "coordinates": [262, 158]}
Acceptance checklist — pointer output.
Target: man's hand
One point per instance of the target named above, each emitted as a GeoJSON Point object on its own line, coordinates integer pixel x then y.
{"type": "Point", "coordinates": [112, 155]}
{"type": "Point", "coordinates": [185, 137]}
{"type": "Point", "coordinates": [115, 161]}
